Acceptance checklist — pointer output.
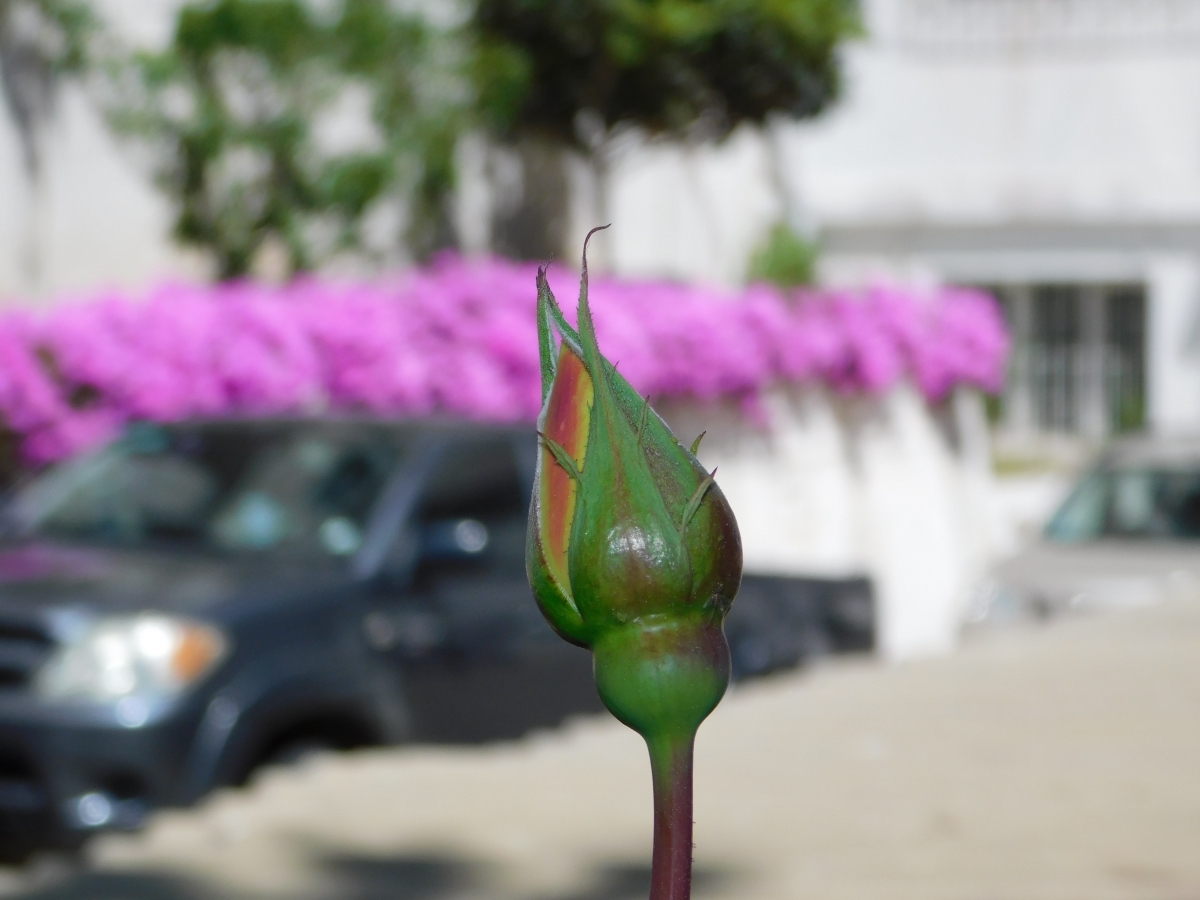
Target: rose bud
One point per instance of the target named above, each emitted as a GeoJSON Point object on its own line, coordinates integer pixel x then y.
{"type": "Point", "coordinates": [633, 552]}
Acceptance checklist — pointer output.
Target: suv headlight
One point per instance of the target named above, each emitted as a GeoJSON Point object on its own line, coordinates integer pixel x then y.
{"type": "Point", "coordinates": [150, 658]}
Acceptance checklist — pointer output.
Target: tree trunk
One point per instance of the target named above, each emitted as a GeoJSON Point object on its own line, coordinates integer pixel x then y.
{"type": "Point", "coordinates": [792, 210]}
{"type": "Point", "coordinates": [532, 222]}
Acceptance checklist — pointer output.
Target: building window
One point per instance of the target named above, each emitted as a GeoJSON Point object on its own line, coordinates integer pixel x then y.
{"type": "Point", "coordinates": [1078, 360]}
{"type": "Point", "coordinates": [1055, 351]}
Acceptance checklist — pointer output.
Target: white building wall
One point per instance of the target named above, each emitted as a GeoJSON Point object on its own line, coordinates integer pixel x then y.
{"type": "Point", "coordinates": [95, 219]}
{"type": "Point", "coordinates": [691, 213]}
{"type": "Point", "coordinates": [1173, 339]}
{"type": "Point", "coordinates": [1049, 118]}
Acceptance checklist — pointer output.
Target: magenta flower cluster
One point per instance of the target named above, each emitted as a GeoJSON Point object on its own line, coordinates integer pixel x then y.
{"type": "Point", "coordinates": [458, 337]}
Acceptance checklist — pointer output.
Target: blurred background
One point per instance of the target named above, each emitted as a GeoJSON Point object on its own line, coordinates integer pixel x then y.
{"type": "Point", "coordinates": [927, 272]}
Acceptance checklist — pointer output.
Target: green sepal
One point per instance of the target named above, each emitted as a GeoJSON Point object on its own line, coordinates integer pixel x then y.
{"type": "Point", "coordinates": [694, 503]}
{"type": "Point", "coordinates": [622, 506]}
{"type": "Point", "coordinates": [546, 349]}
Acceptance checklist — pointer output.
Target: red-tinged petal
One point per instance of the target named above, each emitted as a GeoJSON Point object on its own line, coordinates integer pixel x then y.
{"type": "Point", "coordinates": [566, 419]}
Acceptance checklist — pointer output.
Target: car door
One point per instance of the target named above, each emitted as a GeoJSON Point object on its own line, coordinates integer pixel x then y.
{"type": "Point", "coordinates": [299, 670]}
{"type": "Point", "coordinates": [470, 528]}
{"type": "Point", "coordinates": [487, 664]}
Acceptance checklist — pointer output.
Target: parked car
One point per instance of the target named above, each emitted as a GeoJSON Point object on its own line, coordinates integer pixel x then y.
{"type": "Point", "coordinates": [196, 600]}
{"type": "Point", "coordinates": [1127, 535]}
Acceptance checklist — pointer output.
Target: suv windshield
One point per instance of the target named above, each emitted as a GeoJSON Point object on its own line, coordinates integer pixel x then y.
{"type": "Point", "coordinates": [1133, 503]}
{"type": "Point", "coordinates": [234, 486]}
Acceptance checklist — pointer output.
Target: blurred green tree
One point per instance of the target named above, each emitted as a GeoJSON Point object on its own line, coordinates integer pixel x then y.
{"type": "Point", "coordinates": [666, 66]}
{"type": "Point", "coordinates": [286, 121]}
{"type": "Point", "coordinates": [578, 72]}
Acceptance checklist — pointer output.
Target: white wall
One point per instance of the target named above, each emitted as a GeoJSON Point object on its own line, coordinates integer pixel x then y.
{"type": "Point", "coordinates": [692, 213]}
{"type": "Point", "coordinates": [837, 487]}
{"type": "Point", "coordinates": [96, 218]}
{"type": "Point", "coordinates": [789, 478]}
{"type": "Point", "coordinates": [1052, 126]}
{"type": "Point", "coordinates": [1173, 340]}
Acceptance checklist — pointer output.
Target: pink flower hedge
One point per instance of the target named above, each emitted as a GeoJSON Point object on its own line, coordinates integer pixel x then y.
{"type": "Point", "coordinates": [458, 337]}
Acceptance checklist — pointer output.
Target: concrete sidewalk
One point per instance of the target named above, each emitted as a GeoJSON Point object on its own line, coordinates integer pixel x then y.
{"type": "Point", "coordinates": [1062, 762]}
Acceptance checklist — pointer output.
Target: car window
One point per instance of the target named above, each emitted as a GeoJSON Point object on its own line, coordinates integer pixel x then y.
{"type": "Point", "coordinates": [1081, 517]}
{"type": "Point", "coordinates": [1134, 508]}
{"type": "Point", "coordinates": [1173, 501]}
{"type": "Point", "coordinates": [1130, 503]}
{"type": "Point", "coordinates": [311, 490]}
{"type": "Point", "coordinates": [239, 487]}
{"type": "Point", "coordinates": [152, 485]}
{"type": "Point", "coordinates": [474, 508]}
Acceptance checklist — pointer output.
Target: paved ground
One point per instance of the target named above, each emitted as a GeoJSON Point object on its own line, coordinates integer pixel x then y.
{"type": "Point", "coordinates": [1057, 763]}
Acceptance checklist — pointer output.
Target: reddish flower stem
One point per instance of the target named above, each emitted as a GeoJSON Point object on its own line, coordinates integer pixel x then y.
{"type": "Point", "coordinates": [671, 765]}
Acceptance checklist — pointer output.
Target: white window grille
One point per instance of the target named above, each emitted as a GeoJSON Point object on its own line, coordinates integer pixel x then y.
{"type": "Point", "coordinates": [1078, 361]}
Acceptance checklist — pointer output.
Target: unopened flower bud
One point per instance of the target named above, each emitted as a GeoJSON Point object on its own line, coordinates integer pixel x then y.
{"type": "Point", "coordinates": [633, 550]}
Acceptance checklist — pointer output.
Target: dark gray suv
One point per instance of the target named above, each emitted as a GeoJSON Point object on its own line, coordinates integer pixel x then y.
{"type": "Point", "coordinates": [196, 600]}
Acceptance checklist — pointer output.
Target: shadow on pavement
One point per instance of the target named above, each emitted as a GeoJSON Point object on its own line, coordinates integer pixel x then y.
{"type": "Point", "coordinates": [398, 878]}
{"type": "Point", "coordinates": [627, 882]}
{"type": "Point", "coordinates": [353, 877]}
{"type": "Point", "coordinates": [120, 886]}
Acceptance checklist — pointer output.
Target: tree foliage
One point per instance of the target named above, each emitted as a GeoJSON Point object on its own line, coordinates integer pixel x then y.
{"type": "Point", "coordinates": [250, 114]}
{"type": "Point", "coordinates": [667, 66]}
{"type": "Point", "coordinates": [245, 111]}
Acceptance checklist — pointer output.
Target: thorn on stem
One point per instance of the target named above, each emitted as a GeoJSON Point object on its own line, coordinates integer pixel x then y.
{"type": "Point", "coordinates": [696, 442]}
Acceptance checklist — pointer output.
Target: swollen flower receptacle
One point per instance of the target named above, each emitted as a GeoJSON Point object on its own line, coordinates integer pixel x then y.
{"type": "Point", "coordinates": [663, 675]}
